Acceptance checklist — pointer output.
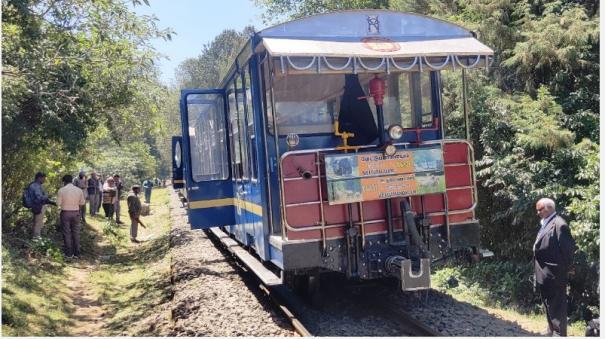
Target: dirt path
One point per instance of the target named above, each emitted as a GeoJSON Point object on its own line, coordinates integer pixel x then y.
{"type": "Point", "coordinates": [89, 313]}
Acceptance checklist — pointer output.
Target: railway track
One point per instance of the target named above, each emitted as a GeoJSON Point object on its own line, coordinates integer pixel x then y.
{"type": "Point", "coordinates": [289, 304]}
{"type": "Point", "coordinates": [361, 302]}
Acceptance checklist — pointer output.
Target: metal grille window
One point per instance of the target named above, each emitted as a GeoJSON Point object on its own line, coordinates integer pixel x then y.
{"type": "Point", "coordinates": [207, 138]}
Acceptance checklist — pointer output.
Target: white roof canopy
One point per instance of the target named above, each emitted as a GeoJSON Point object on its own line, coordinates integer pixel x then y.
{"type": "Point", "coordinates": [376, 48]}
{"type": "Point", "coordinates": [371, 41]}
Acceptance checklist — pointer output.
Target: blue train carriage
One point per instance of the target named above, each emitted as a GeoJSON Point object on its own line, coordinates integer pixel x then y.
{"type": "Point", "coordinates": [323, 150]}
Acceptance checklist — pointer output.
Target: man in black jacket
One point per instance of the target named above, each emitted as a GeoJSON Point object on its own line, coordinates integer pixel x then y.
{"type": "Point", "coordinates": [553, 261]}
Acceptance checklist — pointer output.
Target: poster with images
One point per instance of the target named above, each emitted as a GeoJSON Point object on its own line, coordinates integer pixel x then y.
{"type": "Point", "coordinates": [373, 175]}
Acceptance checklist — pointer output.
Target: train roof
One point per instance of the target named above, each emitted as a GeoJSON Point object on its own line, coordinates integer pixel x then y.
{"type": "Point", "coordinates": [371, 33]}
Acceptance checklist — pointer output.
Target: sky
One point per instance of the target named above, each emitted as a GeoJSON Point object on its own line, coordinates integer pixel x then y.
{"type": "Point", "coordinates": [196, 23]}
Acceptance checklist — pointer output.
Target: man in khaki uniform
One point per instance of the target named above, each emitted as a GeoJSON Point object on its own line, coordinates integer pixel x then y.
{"type": "Point", "coordinates": [69, 200]}
{"type": "Point", "coordinates": [134, 211]}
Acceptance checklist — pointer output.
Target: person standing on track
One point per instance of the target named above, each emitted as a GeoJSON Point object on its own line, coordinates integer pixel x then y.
{"type": "Point", "coordinates": [553, 261]}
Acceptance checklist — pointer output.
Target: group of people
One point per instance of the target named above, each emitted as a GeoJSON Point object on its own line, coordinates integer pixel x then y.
{"type": "Point", "coordinates": [71, 200]}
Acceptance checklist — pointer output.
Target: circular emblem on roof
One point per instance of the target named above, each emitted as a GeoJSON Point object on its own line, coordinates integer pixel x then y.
{"type": "Point", "coordinates": [380, 44]}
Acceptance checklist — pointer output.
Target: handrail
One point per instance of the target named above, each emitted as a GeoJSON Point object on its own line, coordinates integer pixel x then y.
{"type": "Point", "coordinates": [323, 226]}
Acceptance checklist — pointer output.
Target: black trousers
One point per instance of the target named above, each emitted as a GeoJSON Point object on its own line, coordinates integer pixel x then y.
{"type": "Point", "coordinates": [555, 303]}
{"type": "Point", "coordinates": [108, 208]}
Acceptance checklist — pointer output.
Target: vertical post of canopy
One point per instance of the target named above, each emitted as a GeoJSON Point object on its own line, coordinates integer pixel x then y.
{"type": "Point", "coordinates": [465, 108]}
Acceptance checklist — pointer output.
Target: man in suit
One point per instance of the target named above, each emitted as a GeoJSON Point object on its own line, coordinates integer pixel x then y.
{"type": "Point", "coordinates": [553, 261]}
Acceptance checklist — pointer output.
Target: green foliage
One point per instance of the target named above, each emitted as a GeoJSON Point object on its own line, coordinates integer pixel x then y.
{"type": "Point", "coordinates": [46, 247]}
{"type": "Point", "coordinates": [76, 72]}
{"type": "Point", "coordinates": [33, 295]}
{"type": "Point", "coordinates": [499, 283]}
{"type": "Point", "coordinates": [208, 69]}
{"type": "Point", "coordinates": [277, 9]}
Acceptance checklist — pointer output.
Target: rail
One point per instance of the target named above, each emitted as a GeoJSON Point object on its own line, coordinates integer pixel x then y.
{"type": "Point", "coordinates": [285, 300]}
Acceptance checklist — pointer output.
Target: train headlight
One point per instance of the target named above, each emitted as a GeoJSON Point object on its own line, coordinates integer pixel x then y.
{"type": "Point", "coordinates": [390, 150]}
{"type": "Point", "coordinates": [395, 132]}
{"type": "Point", "coordinates": [292, 140]}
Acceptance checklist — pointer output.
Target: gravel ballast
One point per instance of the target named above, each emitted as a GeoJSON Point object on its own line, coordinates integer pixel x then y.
{"type": "Point", "coordinates": [211, 297]}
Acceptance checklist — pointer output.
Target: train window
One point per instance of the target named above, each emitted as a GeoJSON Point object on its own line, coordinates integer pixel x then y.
{"type": "Point", "coordinates": [207, 137]}
{"type": "Point", "coordinates": [236, 159]}
{"type": "Point", "coordinates": [250, 121]}
{"type": "Point", "coordinates": [267, 98]}
{"type": "Point", "coordinates": [177, 154]}
{"type": "Point", "coordinates": [303, 102]}
{"type": "Point", "coordinates": [241, 118]}
{"type": "Point", "coordinates": [408, 100]}
{"type": "Point", "coordinates": [309, 103]}
{"type": "Point", "coordinates": [427, 106]}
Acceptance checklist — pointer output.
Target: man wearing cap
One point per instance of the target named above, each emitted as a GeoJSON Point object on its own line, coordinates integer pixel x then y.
{"type": "Point", "coordinates": [69, 199]}
{"type": "Point", "coordinates": [134, 211]}
{"type": "Point", "coordinates": [40, 198]}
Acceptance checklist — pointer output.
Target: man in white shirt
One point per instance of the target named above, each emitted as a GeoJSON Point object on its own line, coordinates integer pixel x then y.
{"type": "Point", "coordinates": [69, 200]}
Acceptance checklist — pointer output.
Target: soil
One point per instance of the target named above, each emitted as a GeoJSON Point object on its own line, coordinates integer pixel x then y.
{"type": "Point", "coordinates": [89, 314]}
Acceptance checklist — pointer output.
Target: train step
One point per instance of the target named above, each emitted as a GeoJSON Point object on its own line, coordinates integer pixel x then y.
{"type": "Point", "coordinates": [266, 276]}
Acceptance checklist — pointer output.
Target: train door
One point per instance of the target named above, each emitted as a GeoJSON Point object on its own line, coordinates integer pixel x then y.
{"type": "Point", "coordinates": [254, 197]}
{"type": "Point", "coordinates": [206, 158]}
{"type": "Point", "coordinates": [238, 160]}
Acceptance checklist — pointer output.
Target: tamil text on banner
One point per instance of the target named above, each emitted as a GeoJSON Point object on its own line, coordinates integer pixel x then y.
{"type": "Point", "coordinates": [373, 175]}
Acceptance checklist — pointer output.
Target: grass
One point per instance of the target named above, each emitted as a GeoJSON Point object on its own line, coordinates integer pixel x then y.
{"type": "Point", "coordinates": [35, 300]}
{"type": "Point", "coordinates": [130, 284]}
{"type": "Point", "coordinates": [136, 277]}
{"type": "Point", "coordinates": [493, 290]}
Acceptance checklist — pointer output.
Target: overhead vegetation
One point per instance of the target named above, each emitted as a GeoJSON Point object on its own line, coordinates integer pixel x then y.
{"type": "Point", "coordinates": [208, 69]}
{"type": "Point", "coordinates": [80, 90]}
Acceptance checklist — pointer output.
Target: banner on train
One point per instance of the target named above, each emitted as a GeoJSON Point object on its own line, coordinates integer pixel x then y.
{"type": "Point", "coordinates": [373, 175]}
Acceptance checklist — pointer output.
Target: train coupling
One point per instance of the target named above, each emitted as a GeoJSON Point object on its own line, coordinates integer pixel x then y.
{"type": "Point", "coordinates": [401, 268]}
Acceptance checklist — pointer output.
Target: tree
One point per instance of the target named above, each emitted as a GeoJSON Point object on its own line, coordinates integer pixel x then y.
{"type": "Point", "coordinates": [69, 67]}
{"type": "Point", "coordinates": [208, 69]}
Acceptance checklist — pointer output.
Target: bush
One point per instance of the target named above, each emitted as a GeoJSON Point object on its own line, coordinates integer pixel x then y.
{"type": "Point", "coordinates": [509, 284]}
{"type": "Point", "coordinates": [45, 247]}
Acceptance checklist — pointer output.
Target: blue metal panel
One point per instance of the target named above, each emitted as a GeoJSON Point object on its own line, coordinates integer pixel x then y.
{"type": "Point", "coordinates": [277, 256]}
{"type": "Point", "coordinates": [210, 202]}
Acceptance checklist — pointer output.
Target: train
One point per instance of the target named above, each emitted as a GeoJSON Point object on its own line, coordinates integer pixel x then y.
{"type": "Point", "coordinates": [324, 150]}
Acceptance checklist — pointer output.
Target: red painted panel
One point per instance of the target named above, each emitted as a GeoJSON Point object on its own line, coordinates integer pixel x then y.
{"type": "Point", "coordinates": [457, 176]}
{"type": "Point", "coordinates": [293, 163]}
{"type": "Point", "coordinates": [459, 199]}
{"type": "Point", "coordinates": [455, 153]}
{"type": "Point", "coordinates": [301, 216]}
{"type": "Point", "coordinates": [301, 191]}
{"type": "Point", "coordinates": [433, 203]}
